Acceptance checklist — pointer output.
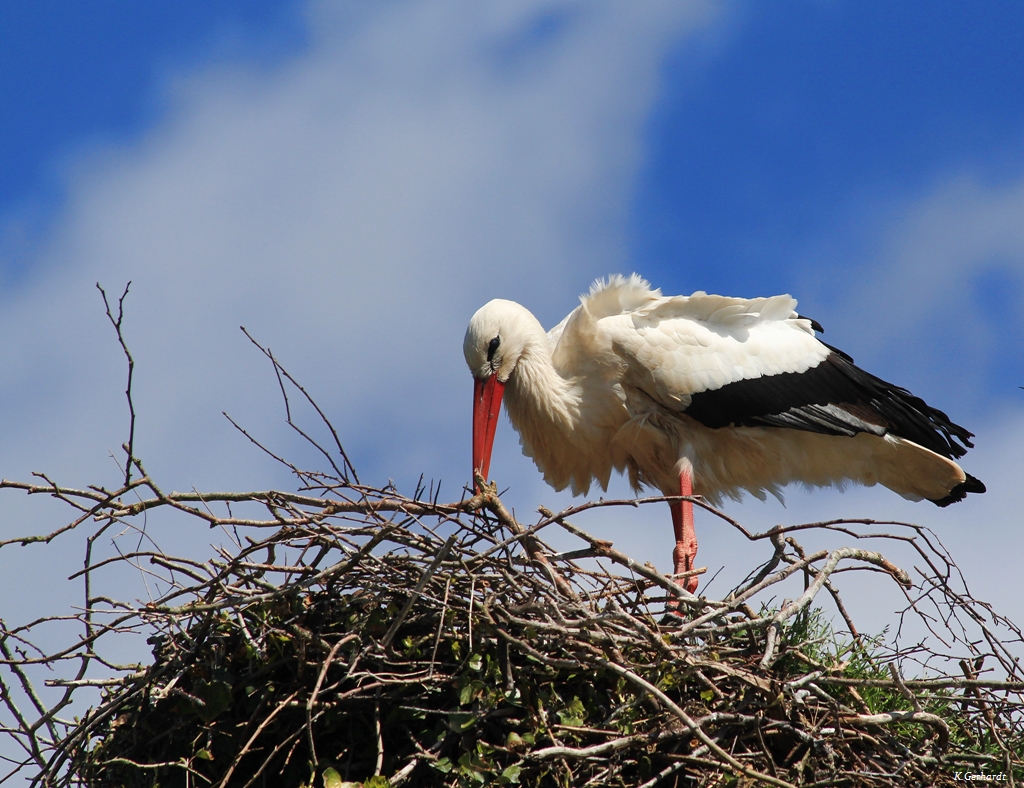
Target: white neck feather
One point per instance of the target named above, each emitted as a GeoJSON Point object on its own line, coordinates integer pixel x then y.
{"type": "Point", "coordinates": [538, 398]}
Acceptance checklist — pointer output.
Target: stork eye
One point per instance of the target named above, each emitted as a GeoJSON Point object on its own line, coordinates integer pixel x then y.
{"type": "Point", "coordinates": [492, 348]}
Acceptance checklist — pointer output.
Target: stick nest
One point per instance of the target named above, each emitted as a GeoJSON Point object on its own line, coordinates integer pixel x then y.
{"type": "Point", "coordinates": [374, 639]}
{"type": "Point", "coordinates": [347, 634]}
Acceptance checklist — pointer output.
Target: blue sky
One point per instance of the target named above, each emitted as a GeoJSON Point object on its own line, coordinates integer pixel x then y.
{"type": "Point", "coordinates": [770, 128]}
{"type": "Point", "coordinates": [351, 186]}
{"type": "Point", "coordinates": [762, 145]}
{"type": "Point", "coordinates": [759, 142]}
{"type": "Point", "coordinates": [72, 73]}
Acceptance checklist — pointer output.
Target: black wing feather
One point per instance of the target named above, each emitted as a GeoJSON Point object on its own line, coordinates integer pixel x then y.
{"type": "Point", "coordinates": [834, 398]}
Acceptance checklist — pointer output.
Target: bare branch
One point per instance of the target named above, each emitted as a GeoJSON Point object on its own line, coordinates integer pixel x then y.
{"type": "Point", "coordinates": [129, 447]}
{"type": "Point", "coordinates": [346, 627]}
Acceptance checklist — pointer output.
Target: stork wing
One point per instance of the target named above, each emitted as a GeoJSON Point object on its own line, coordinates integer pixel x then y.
{"type": "Point", "coordinates": [755, 362]}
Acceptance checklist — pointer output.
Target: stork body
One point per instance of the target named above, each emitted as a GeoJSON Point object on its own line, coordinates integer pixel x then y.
{"type": "Point", "coordinates": [703, 395]}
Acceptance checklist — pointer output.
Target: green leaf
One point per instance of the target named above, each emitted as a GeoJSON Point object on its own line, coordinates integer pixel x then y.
{"type": "Point", "coordinates": [469, 768]}
{"type": "Point", "coordinates": [205, 754]}
{"type": "Point", "coordinates": [471, 690]}
{"type": "Point", "coordinates": [216, 697]}
{"type": "Point", "coordinates": [377, 781]}
{"type": "Point", "coordinates": [574, 715]}
{"type": "Point", "coordinates": [476, 662]}
{"type": "Point", "coordinates": [443, 765]}
{"type": "Point", "coordinates": [331, 778]}
{"type": "Point", "coordinates": [515, 742]}
{"type": "Point", "coordinates": [510, 775]}
{"type": "Point", "coordinates": [707, 695]}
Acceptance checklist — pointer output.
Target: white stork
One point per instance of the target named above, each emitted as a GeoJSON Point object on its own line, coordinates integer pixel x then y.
{"type": "Point", "coordinates": [700, 395]}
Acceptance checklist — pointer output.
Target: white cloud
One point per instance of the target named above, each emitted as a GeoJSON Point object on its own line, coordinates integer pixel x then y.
{"type": "Point", "coordinates": [911, 284]}
{"type": "Point", "coordinates": [938, 241]}
{"type": "Point", "coordinates": [352, 207]}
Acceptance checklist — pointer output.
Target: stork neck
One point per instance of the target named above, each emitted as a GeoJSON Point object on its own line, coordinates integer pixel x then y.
{"type": "Point", "coordinates": [537, 391]}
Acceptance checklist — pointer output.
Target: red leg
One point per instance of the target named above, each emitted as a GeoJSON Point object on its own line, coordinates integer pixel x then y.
{"type": "Point", "coordinates": [686, 536]}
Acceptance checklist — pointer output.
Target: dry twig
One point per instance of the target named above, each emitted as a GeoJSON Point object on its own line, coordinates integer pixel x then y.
{"type": "Point", "coordinates": [347, 629]}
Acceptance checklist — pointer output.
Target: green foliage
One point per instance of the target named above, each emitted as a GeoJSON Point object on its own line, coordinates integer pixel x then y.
{"type": "Point", "coordinates": [493, 679]}
{"type": "Point", "coordinates": [481, 723]}
{"type": "Point", "coordinates": [350, 636]}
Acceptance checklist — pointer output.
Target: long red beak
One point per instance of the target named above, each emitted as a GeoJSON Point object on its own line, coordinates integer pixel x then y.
{"type": "Point", "coordinates": [486, 407]}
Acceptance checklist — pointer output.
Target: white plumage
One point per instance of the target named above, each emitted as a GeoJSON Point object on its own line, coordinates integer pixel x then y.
{"type": "Point", "coordinates": [732, 394]}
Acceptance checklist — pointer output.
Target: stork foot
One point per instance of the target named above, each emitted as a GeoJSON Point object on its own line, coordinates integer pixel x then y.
{"type": "Point", "coordinates": [683, 558]}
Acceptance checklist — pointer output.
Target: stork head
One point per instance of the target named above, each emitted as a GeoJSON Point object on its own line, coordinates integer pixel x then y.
{"type": "Point", "coordinates": [494, 343]}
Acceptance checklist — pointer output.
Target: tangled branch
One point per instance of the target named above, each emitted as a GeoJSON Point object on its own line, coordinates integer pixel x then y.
{"type": "Point", "coordinates": [348, 632]}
